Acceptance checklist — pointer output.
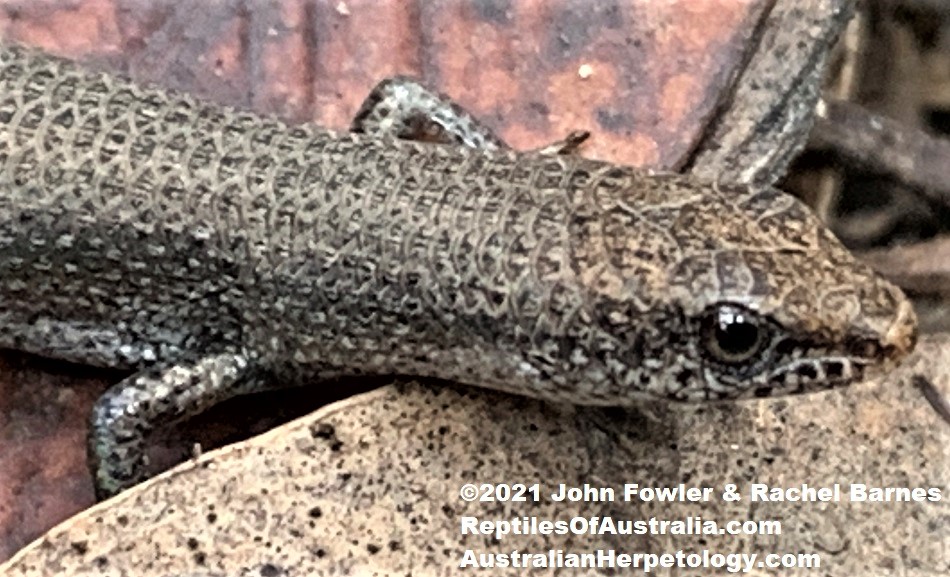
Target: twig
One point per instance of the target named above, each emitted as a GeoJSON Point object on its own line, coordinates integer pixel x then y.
{"type": "Point", "coordinates": [941, 7]}
{"type": "Point", "coordinates": [933, 396]}
{"type": "Point", "coordinates": [883, 146]}
{"type": "Point", "coordinates": [922, 268]}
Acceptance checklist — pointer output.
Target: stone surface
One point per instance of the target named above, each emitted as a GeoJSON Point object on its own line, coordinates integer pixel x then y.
{"type": "Point", "coordinates": [371, 485]}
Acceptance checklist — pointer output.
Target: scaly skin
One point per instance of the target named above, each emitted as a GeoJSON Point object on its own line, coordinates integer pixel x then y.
{"type": "Point", "coordinates": [220, 253]}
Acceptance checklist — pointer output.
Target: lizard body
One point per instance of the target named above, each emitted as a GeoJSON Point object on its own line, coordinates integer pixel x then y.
{"type": "Point", "coordinates": [216, 253]}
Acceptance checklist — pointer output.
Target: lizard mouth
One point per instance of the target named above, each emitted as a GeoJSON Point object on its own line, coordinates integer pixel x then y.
{"type": "Point", "coordinates": [858, 359]}
{"type": "Point", "coordinates": [811, 374]}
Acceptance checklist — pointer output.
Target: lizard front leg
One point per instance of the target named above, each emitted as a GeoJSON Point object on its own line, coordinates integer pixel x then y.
{"type": "Point", "coordinates": [126, 413]}
{"type": "Point", "coordinates": [129, 411]}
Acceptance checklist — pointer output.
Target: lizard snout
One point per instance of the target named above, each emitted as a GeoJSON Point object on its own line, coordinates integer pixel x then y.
{"type": "Point", "coordinates": [901, 337]}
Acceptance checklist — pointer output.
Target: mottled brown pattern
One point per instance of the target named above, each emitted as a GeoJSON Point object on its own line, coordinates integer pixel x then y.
{"type": "Point", "coordinates": [230, 252]}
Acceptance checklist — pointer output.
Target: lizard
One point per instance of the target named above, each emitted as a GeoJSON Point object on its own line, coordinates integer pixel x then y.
{"type": "Point", "coordinates": [212, 252]}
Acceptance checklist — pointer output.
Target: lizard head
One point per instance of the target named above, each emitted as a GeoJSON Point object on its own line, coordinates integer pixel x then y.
{"type": "Point", "coordinates": [717, 292]}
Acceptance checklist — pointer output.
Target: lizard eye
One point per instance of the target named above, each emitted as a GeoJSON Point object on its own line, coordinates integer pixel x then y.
{"type": "Point", "coordinates": [732, 334]}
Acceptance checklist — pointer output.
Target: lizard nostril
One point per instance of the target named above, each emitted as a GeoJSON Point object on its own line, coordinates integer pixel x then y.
{"type": "Point", "coordinates": [867, 348]}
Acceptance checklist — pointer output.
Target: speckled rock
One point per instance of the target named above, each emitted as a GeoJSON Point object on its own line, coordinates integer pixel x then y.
{"type": "Point", "coordinates": [371, 485]}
